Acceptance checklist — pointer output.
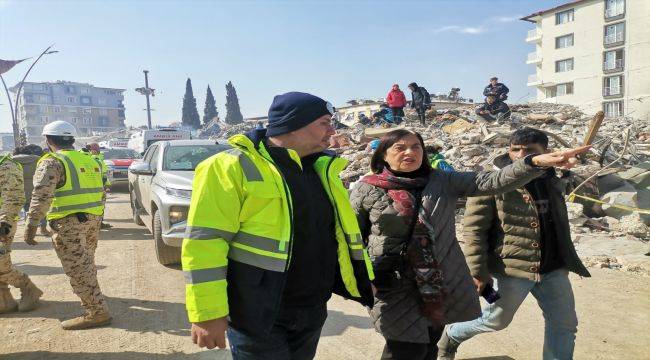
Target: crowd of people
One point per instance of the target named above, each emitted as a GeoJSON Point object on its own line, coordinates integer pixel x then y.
{"type": "Point", "coordinates": [272, 233]}
{"type": "Point", "coordinates": [391, 111]}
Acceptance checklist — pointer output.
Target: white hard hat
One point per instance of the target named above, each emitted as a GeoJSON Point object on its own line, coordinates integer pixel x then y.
{"type": "Point", "coordinates": [60, 128]}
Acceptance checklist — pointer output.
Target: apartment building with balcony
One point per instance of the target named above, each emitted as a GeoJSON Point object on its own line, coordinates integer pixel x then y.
{"type": "Point", "coordinates": [92, 110]}
{"type": "Point", "coordinates": [594, 54]}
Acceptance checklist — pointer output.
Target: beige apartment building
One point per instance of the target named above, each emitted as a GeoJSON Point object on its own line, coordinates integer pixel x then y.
{"type": "Point", "coordinates": [594, 54]}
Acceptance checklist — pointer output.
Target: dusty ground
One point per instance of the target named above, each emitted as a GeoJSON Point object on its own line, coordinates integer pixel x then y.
{"type": "Point", "coordinates": [146, 300]}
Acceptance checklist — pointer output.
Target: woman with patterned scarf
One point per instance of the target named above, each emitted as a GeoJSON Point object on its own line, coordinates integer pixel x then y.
{"type": "Point", "coordinates": [406, 212]}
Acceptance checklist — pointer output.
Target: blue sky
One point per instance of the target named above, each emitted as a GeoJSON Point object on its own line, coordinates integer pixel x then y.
{"type": "Point", "coordinates": [336, 49]}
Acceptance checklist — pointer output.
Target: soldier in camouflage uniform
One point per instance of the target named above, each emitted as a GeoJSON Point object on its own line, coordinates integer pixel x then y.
{"type": "Point", "coordinates": [12, 199]}
{"type": "Point", "coordinates": [75, 235]}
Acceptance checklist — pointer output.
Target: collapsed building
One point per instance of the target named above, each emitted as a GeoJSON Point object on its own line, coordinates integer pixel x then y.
{"type": "Point", "coordinates": [609, 215]}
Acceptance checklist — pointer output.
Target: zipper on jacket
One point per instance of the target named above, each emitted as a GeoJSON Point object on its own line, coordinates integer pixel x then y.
{"type": "Point", "coordinates": [538, 278]}
{"type": "Point", "coordinates": [282, 244]}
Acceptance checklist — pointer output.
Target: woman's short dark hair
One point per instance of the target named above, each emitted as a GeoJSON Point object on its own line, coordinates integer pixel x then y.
{"type": "Point", "coordinates": [377, 162]}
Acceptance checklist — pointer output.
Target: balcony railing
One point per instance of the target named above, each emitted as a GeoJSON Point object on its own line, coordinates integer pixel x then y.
{"type": "Point", "coordinates": [613, 38]}
{"type": "Point", "coordinates": [532, 79]}
{"type": "Point", "coordinates": [534, 57]}
{"type": "Point", "coordinates": [534, 34]}
{"type": "Point", "coordinates": [613, 64]}
{"type": "Point", "coordinates": [612, 90]}
{"type": "Point", "coordinates": [615, 11]}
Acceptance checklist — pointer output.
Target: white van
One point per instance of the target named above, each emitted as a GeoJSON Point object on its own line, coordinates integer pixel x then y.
{"type": "Point", "coordinates": [141, 141]}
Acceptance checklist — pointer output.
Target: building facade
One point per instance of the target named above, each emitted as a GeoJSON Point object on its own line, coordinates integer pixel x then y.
{"type": "Point", "coordinates": [6, 142]}
{"type": "Point", "coordinates": [594, 54]}
{"type": "Point", "coordinates": [92, 110]}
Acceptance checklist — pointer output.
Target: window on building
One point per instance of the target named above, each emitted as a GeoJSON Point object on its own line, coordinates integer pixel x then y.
{"type": "Point", "coordinates": [88, 111]}
{"type": "Point", "coordinates": [102, 121]}
{"type": "Point", "coordinates": [564, 65]}
{"type": "Point", "coordinates": [43, 99]}
{"type": "Point", "coordinates": [71, 99]}
{"type": "Point", "coordinates": [614, 8]}
{"type": "Point", "coordinates": [101, 101]}
{"type": "Point", "coordinates": [56, 109]}
{"type": "Point", "coordinates": [85, 90]}
{"type": "Point", "coordinates": [613, 85]}
{"type": "Point", "coordinates": [565, 89]}
{"type": "Point", "coordinates": [559, 90]}
{"type": "Point", "coordinates": [45, 119]}
{"type": "Point", "coordinates": [564, 41]}
{"type": "Point", "coordinates": [70, 89]}
{"type": "Point", "coordinates": [87, 120]}
{"type": "Point", "coordinates": [29, 98]}
{"type": "Point", "coordinates": [613, 108]}
{"type": "Point", "coordinates": [74, 120]}
{"type": "Point", "coordinates": [84, 100]}
{"type": "Point", "coordinates": [108, 92]}
{"type": "Point", "coordinates": [614, 33]}
{"type": "Point", "coordinates": [42, 109]}
{"type": "Point", "coordinates": [613, 60]}
{"type": "Point", "coordinates": [564, 17]}
{"type": "Point", "coordinates": [103, 112]}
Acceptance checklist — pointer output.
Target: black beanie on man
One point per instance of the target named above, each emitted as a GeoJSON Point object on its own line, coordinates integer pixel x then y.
{"type": "Point", "coordinates": [294, 110]}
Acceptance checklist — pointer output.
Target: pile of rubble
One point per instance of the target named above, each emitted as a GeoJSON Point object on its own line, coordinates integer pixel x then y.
{"type": "Point", "coordinates": [606, 234]}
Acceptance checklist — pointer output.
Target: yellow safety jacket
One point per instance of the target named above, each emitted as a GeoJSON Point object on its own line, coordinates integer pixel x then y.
{"type": "Point", "coordinates": [99, 158]}
{"type": "Point", "coordinates": [83, 189]}
{"type": "Point", "coordinates": [241, 213]}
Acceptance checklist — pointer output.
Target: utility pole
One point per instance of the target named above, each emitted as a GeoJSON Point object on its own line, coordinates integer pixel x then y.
{"type": "Point", "coordinates": [146, 91]}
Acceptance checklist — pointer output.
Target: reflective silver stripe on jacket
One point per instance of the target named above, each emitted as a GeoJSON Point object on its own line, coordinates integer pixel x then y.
{"type": "Point", "coordinates": [205, 275]}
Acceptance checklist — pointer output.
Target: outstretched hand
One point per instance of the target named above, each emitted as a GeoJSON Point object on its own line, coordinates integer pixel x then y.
{"type": "Point", "coordinates": [565, 159]}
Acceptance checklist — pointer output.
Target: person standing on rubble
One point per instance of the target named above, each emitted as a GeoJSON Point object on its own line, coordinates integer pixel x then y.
{"type": "Point", "coordinates": [396, 102]}
{"type": "Point", "coordinates": [493, 109]}
{"type": "Point", "coordinates": [270, 235]}
{"type": "Point", "coordinates": [68, 187]}
{"type": "Point", "coordinates": [12, 198]}
{"type": "Point", "coordinates": [519, 242]}
{"type": "Point", "coordinates": [27, 156]}
{"type": "Point", "coordinates": [496, 88]}
{"type": "Point", "coordinates": [406, 215]}
{"type": "Point", "coordinates": [420, 100]}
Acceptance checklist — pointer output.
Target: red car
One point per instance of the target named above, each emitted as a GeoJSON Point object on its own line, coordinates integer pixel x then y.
{"type": "Point", "coordinates": [118, 161]}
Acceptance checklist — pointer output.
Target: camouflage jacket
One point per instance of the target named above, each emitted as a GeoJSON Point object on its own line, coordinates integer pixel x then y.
{"type": "Point", "coordinates": [11, 191]}
{"type": "Point", "coordinates": [49, 175]}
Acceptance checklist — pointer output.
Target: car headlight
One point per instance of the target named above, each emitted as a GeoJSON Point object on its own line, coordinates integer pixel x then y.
{"type": "Point", "coordinates": [177, 214]}
{"type": "Point", "coordinates": [179, 192]}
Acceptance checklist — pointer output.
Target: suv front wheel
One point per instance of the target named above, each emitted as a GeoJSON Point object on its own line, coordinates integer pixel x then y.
{"type": "Point", "coordinates": [167, 255]}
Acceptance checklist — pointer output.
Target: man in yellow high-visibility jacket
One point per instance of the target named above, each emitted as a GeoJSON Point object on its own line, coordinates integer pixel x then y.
{"type": "Point", "coordinates": [270, 235]}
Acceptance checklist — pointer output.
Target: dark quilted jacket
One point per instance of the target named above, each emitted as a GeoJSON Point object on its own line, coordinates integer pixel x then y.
{"type": "Point", "coordinates": [396, 312]}
{"type": "Point", "coordinates": [501, 235]}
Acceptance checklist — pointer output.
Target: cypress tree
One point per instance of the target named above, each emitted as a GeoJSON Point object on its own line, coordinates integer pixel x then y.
{"type": "Point", "coordinates": [233, 112]}
{"type": "Point", "coordinates": [190, 113]}
{"type": "Point", "coordinates": [210, 109]}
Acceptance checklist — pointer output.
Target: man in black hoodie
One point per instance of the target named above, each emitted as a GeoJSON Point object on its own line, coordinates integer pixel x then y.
{"type": "Point", "coordinates": [420, 100]}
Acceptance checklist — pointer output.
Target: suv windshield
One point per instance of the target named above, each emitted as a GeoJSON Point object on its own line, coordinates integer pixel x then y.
{"type": "Point", "coordinates": [186, 158]}
{"type": "Point", "coordinates": [121, 154]}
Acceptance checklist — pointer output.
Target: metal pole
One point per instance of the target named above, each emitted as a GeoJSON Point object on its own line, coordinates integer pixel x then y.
{"type": "Point", "coordinates": [146, 93]}
{"type": "Point", "coordinates": [14, 122]}
{"type": "Point", "coordinates": [20, 84]}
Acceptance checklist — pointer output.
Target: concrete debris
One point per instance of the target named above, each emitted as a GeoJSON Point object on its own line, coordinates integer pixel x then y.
{"type": "Point", "coordinates": [469, 143]}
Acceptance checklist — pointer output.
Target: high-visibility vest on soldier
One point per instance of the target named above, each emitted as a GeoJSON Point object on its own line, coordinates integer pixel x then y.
{"type": "Point", "coordinates": [83, 189]}
{"type": "Point", "coordinates": [241, 211]}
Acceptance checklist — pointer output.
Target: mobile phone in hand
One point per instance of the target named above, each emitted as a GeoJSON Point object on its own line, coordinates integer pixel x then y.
{"type": "Point", "coordinates": [489, 294]}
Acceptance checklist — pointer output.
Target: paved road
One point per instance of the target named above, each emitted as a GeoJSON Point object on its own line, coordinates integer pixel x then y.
{"type": "Point", "coordinates": [146, 300]}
